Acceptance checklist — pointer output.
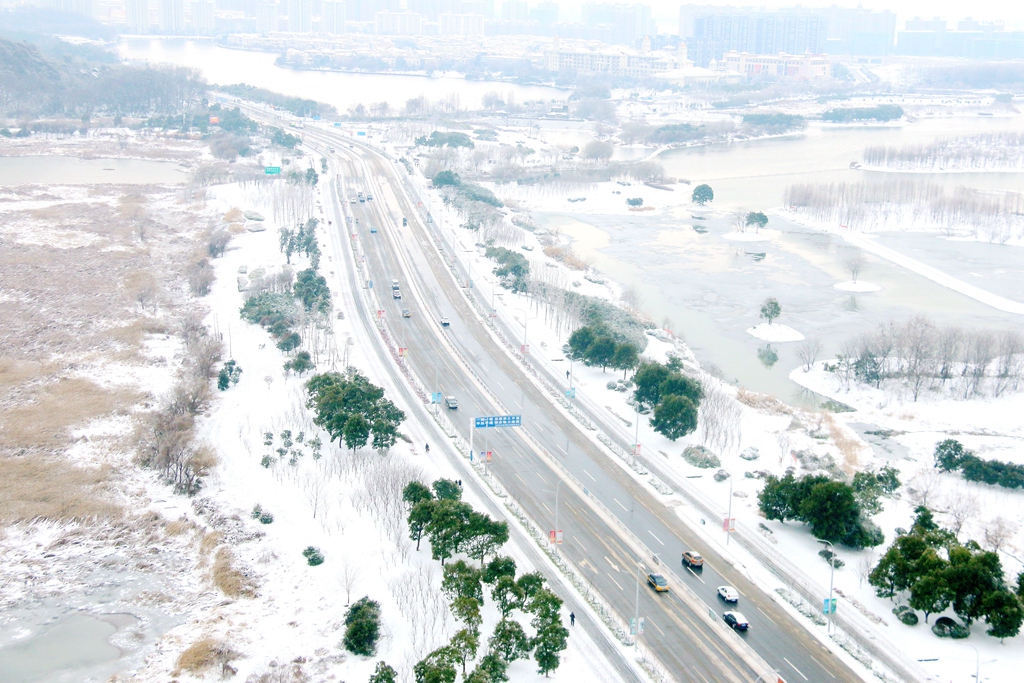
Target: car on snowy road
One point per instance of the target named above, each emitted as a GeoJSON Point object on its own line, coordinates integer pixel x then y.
{"type": "Point", "coordinates": [658, 582]}
{"type": "Point", "coordinates": [728, 593]}
{"type": "Point", "coordinates": [736, 620]}
{"type": "Point", "coordinates": [693, 560]}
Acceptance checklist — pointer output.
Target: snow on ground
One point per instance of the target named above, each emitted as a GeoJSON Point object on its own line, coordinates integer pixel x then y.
{"type": "Point", "coordinates": [860, 287]}
{"type": "Point", "coordinates": [907, 432]}
{"type": "Point", "coordinates": [335, 503]}
{"type": "Point", "coordinates": [770, 332]}
{"type": "Point", "coordinates": [762, 236]}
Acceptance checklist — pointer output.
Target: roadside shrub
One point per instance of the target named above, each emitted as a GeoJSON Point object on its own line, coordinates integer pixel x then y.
{"type": "Point", "coordinates": [946, 627]}
{"type": "Point", "coordinates": [313, 556]}
{"type": "Point", "coordinates": [200, 277]}
{"type": "Point", "coordinates": [698, 456]}
{"type": "Point", "coordinates": [362, 627]}
{"type": "Point", "coordinates": [906, 615]}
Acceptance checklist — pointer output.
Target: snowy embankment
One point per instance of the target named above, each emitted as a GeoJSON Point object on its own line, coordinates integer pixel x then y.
{"type": "Point", "coordinates": [343, 503]}
{"type": "Point", "coordinates": [770, 332]}
{"type": "Point", "coordinates": [857, 287]}
{"type": "Point", "coordinates": [904, 433]}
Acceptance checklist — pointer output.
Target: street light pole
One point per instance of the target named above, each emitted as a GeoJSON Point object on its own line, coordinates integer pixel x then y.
{"type": "Point", "coordinates": [728, 519]}
{"type": "Point", "coordinates": [557, 487]}
{"type": "Point", "coordinates": [977, 663]}
{"type": "Point", "coordinates": [831, 580]}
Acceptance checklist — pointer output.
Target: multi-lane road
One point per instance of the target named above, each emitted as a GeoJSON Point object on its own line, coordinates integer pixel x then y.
{"type": "Point", "coordinates": [487, 381]}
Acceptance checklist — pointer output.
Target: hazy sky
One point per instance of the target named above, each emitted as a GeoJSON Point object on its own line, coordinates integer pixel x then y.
{"type": "Point", "coordinates": [1011, 11]}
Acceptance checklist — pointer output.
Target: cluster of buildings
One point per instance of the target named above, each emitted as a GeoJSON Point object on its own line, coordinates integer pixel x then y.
{"type": "Point", "coordinates": [789, 42]}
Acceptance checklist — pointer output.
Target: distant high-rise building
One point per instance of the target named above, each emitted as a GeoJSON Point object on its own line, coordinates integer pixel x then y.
{"type": "Point", "coordinates": [300, 16]}
{"type": "Point", "coordinates": [545, 14]}
{"type": "Point", "coordinates": [202, 17]}
{"type": "Point", "coordinates": [398, 23]}
{"type": "Point", "coordinates": [332, 16]}
{"type": "Point", "coordinates": [450, 24]}
{"type": "Point", "coordinates": [137, 14]}
{"type": "Point", "coordinates": [626, 24]}
{"type": "Point", "coordinates": [172, 17]}
{"type": "Point", "coordinates": [266, 18]}
{"type": "Point", "coordinates": [84, 7]}
{"type": "Point", "coordinates": [711, 31]}
{"type": "Point", "coordinates": [515, 10]}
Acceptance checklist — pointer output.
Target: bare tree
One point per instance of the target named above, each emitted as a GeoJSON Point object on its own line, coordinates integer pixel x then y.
{"type": "Point", "coordinates": [865, 565]}
{"type": "Point", "coordinates": [923, 486]}
{"type": "Point", "coordinates": [999, 532]}
{"type": "Point", "coordinates": [808, 353]}
{"type": "Point", "coordinates": [315, 490]}
{"type": "Point", "coordinates": [784, 440]}
{"type": "Point", "coordinates": [962, 506]}
{"type": "Point", "coordinates": [855, 265]}
{"type": "Point", "coordinates": [720, 417]}
{"type": "Point", "coordinates": [917, 341]}
{"type": "Point", "coordinates": [348, 577]}
{"type": "Point", "coordinates": [632, 299]}
{"type": "Point", "coordinates": [738, 220]}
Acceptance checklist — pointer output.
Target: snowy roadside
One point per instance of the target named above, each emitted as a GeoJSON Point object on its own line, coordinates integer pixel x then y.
{"type": "Point", "coordinates": [332, 503]}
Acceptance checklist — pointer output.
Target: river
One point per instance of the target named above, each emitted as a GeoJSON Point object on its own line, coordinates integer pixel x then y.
{"type": "Point", "coordinates": [342, 90]}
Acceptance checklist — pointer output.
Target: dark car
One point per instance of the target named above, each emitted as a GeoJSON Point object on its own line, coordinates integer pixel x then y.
{"type": "Point", "coordinates": [736, 620]}
{"type": "Point", "coordinates": [658, 582]}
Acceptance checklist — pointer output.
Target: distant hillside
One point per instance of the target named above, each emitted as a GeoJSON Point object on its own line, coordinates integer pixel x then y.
{"type": "Point", "coordinates": [33, 85]}
{"type": "Point", "coordinates": [28, 82]}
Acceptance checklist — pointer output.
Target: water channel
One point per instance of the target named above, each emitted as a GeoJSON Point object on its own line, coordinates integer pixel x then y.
{"type": "Point", "coordinates": [63, 170]}
{"type": "Point", "coordinates": [711, 288]}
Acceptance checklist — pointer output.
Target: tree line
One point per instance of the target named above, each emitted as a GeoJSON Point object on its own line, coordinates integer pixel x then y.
{"type": "Point", "coordinates": [597, 345]}
{"type": "Point", "coordinates": [971, 152]}
{"type": "Point", "coordinates": [919, 356]}
{"type": "Point", "coordinates": [930, 569]}
{"type": "Point", "coordinates": [910, 201]}
{"type": "Point", "coordinates": [950, 456]}
{"type": "Point", "coordinates": [881, 113]}
{"type": "Point", "coordinates": [451, 526]}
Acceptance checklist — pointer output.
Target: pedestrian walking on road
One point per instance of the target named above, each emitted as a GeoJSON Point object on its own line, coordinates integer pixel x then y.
{"type": "Point", "coordinates": [427, 447]}
{"type": "Point", "coordinates": [572, 618]}
{"type": "Point", "coordinates": [567, 374]}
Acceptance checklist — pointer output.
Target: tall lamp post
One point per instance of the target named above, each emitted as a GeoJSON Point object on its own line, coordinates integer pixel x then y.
{"type": "Point", "coordinates": [977, 663]}
{"type": "Point", "coordinates": [728, 515]}
{"type": "Point", "coordinates": [831, 580]}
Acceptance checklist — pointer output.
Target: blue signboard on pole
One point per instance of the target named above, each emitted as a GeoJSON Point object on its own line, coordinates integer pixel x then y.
{"type": "Point", "coordinates": [435, 397]}
{"type": "Point", "coordinates": [498, 421]}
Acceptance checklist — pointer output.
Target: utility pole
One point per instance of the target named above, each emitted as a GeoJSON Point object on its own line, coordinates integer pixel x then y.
{"type": "Point", "coordinates": [728, 518]}
{"type": "Point", "coordinates": [831, 582]}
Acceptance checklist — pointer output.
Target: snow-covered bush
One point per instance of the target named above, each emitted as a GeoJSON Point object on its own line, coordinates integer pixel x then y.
{"type": "Point", "coordinates": [698, 456]}
{"type": "Point", "coordinates": [313, 556]}
{"type": "Point", "coordinates": [362, 627]}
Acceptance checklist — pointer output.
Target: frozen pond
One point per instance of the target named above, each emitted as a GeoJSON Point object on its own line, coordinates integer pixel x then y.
{"type": "Point", "coordinates": [62, 170]}
{"type": "Point", "coordinates": [72, 649]}
{"type": "Point", "coordinates": [342, 90]}
{"type": "Point", "coordinates": [712, 289]}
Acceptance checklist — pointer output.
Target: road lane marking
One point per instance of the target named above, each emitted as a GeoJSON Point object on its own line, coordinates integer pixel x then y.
{"type": "Point", "coordinates": [562, 449]}
{"type": "Point", "coordinates": [621, 505]}
{"type": "Point", "coordinates": [614, 566]}
{"type": "Point", "coordinates": [617, 584]}
{"type": "Point", "coordinates": [695, 575]}
{"type": "Point", "coordinates": [699, 674]}
{"type": "Point", "coordinates": [546, 507]}
{"type": "Point", "coordinates": [655, 537]}
{"type": "Point", "coordinates": [580, 545]}
{"type": "Point", "coordinates": [584, 563]}
{"type": "Point", "coordinates": [820, 664]}
{"type": "Point", "coordinates": [520, 478]}
{"type": "Point", "coordinates": [589, 475]}
{"type": "Point", "coordinates": [796, 669]}
{"type": "Point", "coordinates": [648, 620]}
{"type": "Point", "coordinates": [764, 615]}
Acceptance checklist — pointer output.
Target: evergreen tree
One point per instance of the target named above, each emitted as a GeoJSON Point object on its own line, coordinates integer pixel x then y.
{"type": "Point", "coordinates": [383, 674]}
{"type": "Point", "coordinates": [446, 489]}
{"type": "Point", "coordinates": [465, 643]}
{"type": "Point", "coordinates": [356, 432]}
{"type": "Point", "coordinates": [416, 492]}
{"type": "Point", "coordinates": [675, 417]}
{"type": "Point", "coordinates": [510, 640]}
{"type": "Point", "coordinates": [498, 567]}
